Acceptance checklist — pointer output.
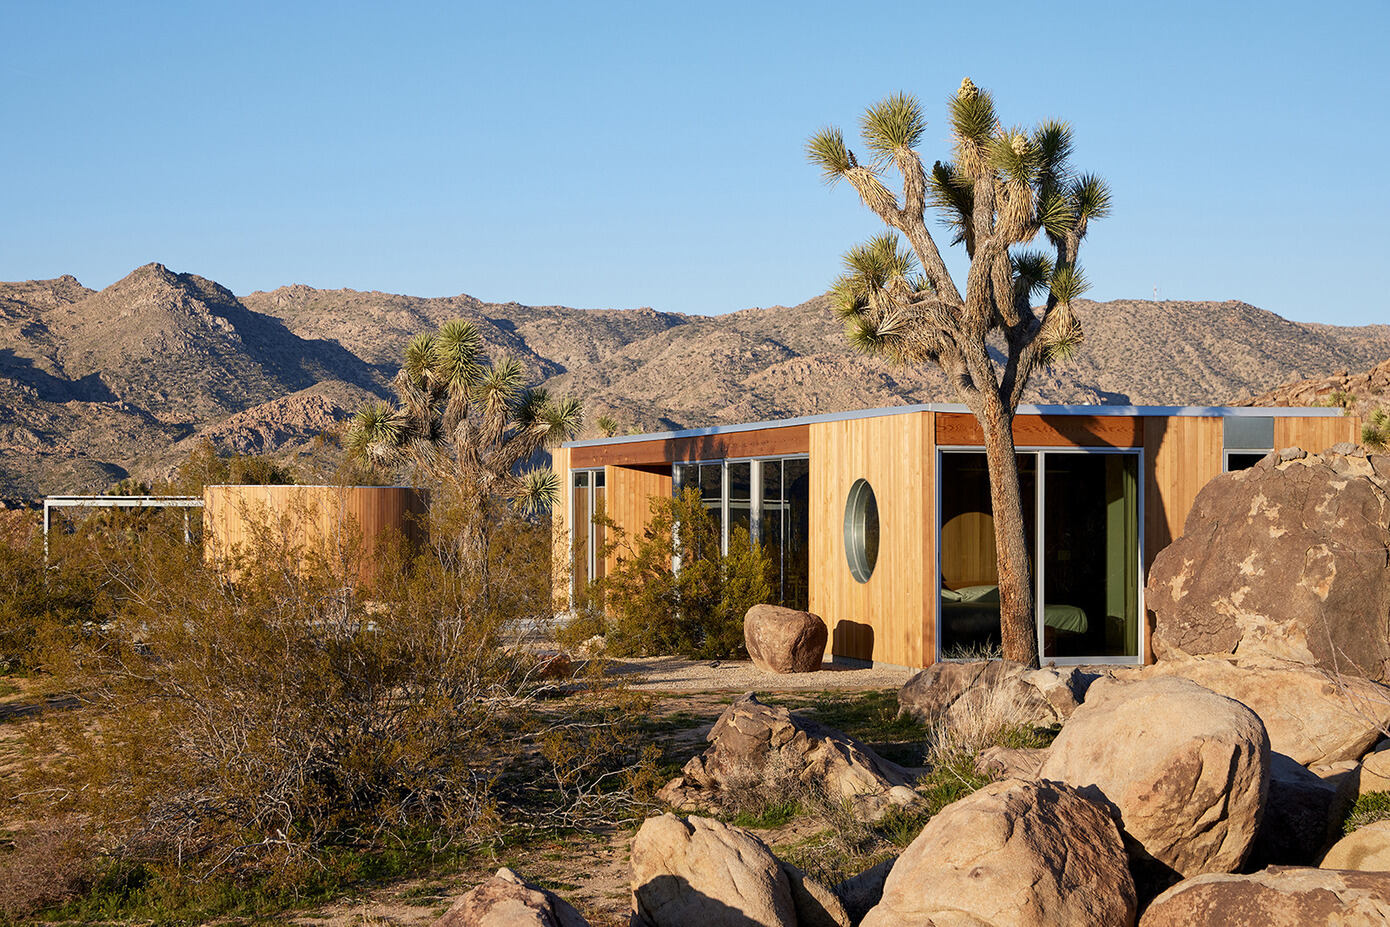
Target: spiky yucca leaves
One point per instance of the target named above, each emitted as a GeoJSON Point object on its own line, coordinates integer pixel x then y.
{"type": "Point", "coordinates": [1002, 189]}
{"type": "Point", "coordinates": [459, 418]}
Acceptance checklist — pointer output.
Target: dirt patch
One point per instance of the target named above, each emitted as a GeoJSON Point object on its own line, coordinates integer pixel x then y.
{"type": "Point", "coordinates": [676, 674]}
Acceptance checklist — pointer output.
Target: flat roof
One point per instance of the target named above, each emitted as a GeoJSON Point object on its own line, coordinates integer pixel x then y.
{"type": "Point", "coordinates": [1164, 411]}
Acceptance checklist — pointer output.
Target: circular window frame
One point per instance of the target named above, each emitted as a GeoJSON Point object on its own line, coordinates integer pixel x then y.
{"type": "Point", "coordinates": [860, 506]}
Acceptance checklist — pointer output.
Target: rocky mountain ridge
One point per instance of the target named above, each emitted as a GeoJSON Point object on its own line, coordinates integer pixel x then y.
{"type": "Point", "coordinates": [97, 385]}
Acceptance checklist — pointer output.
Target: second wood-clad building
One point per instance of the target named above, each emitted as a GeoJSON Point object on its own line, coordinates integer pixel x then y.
{"type": "Point", "coordinates": [879, 521]}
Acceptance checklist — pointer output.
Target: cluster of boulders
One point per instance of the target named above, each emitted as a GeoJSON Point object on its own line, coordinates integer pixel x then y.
{"type": "Point", "coordinates": [1208, 788]}
{"type": "Point", "coordinates": [765, 748]}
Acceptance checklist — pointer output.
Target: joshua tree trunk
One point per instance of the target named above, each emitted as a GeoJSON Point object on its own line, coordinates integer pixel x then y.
{"type": "Point", "coordinates": [1017, 620]}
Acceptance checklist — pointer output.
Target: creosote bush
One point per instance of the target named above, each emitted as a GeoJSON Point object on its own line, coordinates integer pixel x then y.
{"type": "Point", "coordinates": [673, 590]}
{"type": "Point", "coordinates": [253, 723]}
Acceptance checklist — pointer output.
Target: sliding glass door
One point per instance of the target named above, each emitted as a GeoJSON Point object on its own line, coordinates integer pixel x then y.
{"type": "Point", "coordinates": [1081, 517]}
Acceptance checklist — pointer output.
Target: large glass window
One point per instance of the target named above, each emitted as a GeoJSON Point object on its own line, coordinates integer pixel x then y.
{"type": "Point", "coordinates": [1084, 506]}
{"type": "Point", "coordinates": [768, 498]}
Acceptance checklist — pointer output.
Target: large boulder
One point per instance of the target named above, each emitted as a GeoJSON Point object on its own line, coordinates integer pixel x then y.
{"type": "Point", "coordinates": [1366, 849]}
{"type": "Point", "coordinates": [1186, 771]}
{"type": "Point", "coordinates": [954, 692]}
{"type": "Point", "coordinates": [699, 871]}
{"type": "Point", "coordinates": [1287, 559]}
{"type": "Point", "coordinates": [765, 747]}
{"type": "Point", "coordinates": [1275, 897]}
{"type": "Point", "coordinates": [784, 640]}
{"type": "Point", "coordinates": [1301, 816]}
{"type": "Point", "coordinates": [1013, 853]}
{"type": "Point", "coordinates": [1310, 715]}
{"type": "Point", "coordinates": [506, 901]}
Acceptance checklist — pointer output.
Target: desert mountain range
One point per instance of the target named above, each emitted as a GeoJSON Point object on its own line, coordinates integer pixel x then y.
{"type": "Point", "coordinates": [99, 385]}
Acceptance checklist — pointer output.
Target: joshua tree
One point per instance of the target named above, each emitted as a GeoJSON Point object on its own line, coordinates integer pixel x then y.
{"type": "Point", "coordinates": [468, 425]}
{"type": "Point", "coordinates": [1004, 188]}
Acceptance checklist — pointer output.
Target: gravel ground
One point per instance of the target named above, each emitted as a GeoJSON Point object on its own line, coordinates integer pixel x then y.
{"type": "Point", "coordinates": [675, 674]}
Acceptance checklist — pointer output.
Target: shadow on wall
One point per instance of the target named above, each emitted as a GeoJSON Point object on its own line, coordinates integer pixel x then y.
{"type": "Point", "coordinates": [853, 639]}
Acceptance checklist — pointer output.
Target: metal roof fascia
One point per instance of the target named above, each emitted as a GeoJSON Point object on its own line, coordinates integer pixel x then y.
{"type": "Point", "coordinates": [1137, 411]}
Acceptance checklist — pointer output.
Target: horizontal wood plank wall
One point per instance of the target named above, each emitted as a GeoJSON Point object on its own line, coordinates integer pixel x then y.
{"type": "Point", "coordinates": [1315, 434]}
{"type": "Point", "coordinates": [761, 442]}
{"type": "Point", "coordinates": [630, 494]}
{"type": "Point", "coordinates": [325, 520]}
{"type": "Point", "coordinates": [960, 428]}
{"type": "Point", "coordinates": [883, 619]}
{"type": "Point", "coordinates": [560, 566]}
{"type": "Point", "coordinates": [1181, 455]}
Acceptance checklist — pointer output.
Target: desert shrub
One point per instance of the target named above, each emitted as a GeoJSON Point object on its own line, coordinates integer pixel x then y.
{"type": "Point", "coordinates": [205, 466]}
{"type": "Point", "coordinates": [1367, 809]}
{"type": "Point", "coordinates": [258, 726]}
{"type": "Point", "coordinates": [33, 606]}
{"type": "Point", "coordinates": [1375, 431]}
{"type": "Point", "coordinates": [46, 866]}
{"type": "Point", "coordinates": [673, 590]}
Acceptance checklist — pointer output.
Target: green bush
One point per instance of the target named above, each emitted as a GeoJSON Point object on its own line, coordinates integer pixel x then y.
{"type": "Point", "coordinates": [1375, 432]}
{"type": "Point", "coordinates": [647, 606]}
{"type": "Point", "coordinates": [1369, 808]}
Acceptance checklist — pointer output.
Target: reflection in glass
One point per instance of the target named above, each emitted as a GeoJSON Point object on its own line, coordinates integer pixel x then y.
{"type": "Point", "coordinates": [740, 497]}
{"type": "Point", "coordinates": [969, 605]}
{"type": "Point", "coordinates": [796, 528]}
{"type": "Point", "coordinates": [1091, 555]}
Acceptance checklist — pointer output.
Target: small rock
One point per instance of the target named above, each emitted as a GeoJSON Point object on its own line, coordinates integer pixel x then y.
{"type": "Point", "coordinates": [784, 640]}
{"type": "Point", "coordinates": [506, 901]}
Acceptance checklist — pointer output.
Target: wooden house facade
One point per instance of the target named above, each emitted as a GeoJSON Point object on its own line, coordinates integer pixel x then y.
{"type": "Point", "coordinates": [880, 521]}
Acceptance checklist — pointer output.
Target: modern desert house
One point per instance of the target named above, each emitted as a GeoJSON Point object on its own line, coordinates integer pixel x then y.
{"type": "Point", "coordinates": [879, 520]}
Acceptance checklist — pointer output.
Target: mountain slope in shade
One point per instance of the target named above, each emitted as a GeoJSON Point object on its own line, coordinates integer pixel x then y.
{"type": "Point", "coordinates": [95, 385]}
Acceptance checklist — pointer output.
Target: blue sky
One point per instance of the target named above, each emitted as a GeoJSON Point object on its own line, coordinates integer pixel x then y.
{"type": "Point", "coordinates": [623, 155]}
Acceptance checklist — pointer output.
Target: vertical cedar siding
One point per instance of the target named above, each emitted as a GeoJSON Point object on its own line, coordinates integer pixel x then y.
{"type": "Point", "coordinates": [887, 619]}
{"type": "Point", "coordinates": [1315, 435]}
{"type": "Point", "coordinates": [628, 500]}
{"type": "Point", "coordinates": [325, 518]}
{"type": "Point", "coordinates": [560, 566]}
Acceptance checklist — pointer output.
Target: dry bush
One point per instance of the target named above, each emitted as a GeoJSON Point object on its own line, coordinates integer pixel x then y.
{"type": "Point", "coordinates": [983, 717]}
{"type": "Point", "coordinates": [45, 866]}
{"type": "Point", "coordinates": [647, 606]}
{"type": "Point", "coordinates": [248, 725]}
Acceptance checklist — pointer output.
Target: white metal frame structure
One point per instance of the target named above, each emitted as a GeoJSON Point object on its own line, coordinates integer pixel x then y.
{"type": "Point", "coordinates": [118, 502]}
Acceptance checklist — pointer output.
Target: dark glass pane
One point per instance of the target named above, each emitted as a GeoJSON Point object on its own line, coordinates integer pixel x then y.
{"type": "Point", "coordinates": [740, 480]}
{"type": "Point", "coordinates": [712, 483]}
{"type": "Point", "coordinates": [685, 476]}
{"type": "Point", "coordinates": [598, 477]}
{"type": "Point", "coordinates": [1090, 601]}
{"type": "Point", "coordinates": [1240, 461]}
{"type": "Point", "coordinates": [796, 586]}
{"type": "Point", "coordinates": [969, 604]}
{"type": "Point", "coordinates": [772, 481]}
{"type": "Point", "coordinates": [579, 537]}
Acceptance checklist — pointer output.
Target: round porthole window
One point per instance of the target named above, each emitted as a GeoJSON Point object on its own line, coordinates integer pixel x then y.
{"type": "Point", "coordinates": [861, 530]}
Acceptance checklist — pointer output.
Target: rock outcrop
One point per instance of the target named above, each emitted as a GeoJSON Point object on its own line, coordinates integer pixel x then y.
{"type": "Point", "coordinates": [1186, 771]}
{"type": "Point", "coordinates": [1014, 853]}
{"type": "Point", "coordinates": [1287, 560]}
{"type": "Point", "coordinates": [699, 871]}
{"type": "Point", "coordinates": [1366, 849]}
{"type": "Point", "coordinates": [506, 901]}
{"type": "Point", "coordinates": [1310, 715]}
{"type": "Point", "coordinates": [766, 747]}
{"type": "Point", "coordinates": [1301, 816]}
{"type": "Point", "coordinates": [784, 640]}
{"type": "Point", "coordinates": [1275, 897]}
{"type": "Point", "coordinates": [948, 691]}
